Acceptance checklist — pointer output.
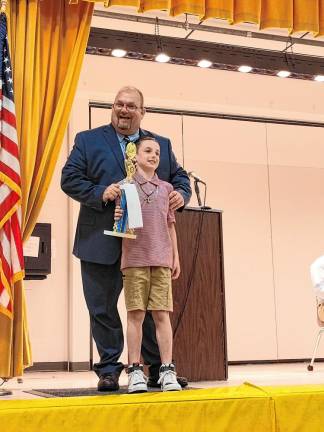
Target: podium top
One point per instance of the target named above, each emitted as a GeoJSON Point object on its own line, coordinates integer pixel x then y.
{"type": "Point", "coordinates": [204, 209]}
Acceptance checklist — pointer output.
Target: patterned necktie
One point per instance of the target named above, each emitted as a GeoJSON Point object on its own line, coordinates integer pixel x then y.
{"type": "Point", "coordinates": [125, 142]}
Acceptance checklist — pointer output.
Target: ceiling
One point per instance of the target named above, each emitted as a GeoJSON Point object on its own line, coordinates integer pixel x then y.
{"type": "Point", "coordinates": [211, 30]}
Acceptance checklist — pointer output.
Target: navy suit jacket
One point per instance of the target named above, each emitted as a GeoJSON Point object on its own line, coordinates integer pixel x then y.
{"type": "Point", "coordinates": [95, 162]}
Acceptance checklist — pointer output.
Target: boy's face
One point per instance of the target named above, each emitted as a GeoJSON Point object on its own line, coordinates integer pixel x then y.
{"type": "Point", "coordinates": [148, 155]}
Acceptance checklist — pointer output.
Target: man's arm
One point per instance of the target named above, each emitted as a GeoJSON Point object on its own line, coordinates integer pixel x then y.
{"type": "Point", "coordinates": [77, 185]}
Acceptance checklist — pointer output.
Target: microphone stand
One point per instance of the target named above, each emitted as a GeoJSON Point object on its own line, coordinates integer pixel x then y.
{"type": "Point", "coordinates": [197, 192]}
{"type": "Point", "coordinates": [196, 186]}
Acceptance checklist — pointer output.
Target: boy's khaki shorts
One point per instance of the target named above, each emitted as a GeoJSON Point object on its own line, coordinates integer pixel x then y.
{"type": "Point", "coordinates": [148, 288]}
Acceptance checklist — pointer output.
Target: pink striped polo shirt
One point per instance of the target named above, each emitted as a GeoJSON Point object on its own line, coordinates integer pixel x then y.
{"type": "Point", "coordinates": [153, 245]}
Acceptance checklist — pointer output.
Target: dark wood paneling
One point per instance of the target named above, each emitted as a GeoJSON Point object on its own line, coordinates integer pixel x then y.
{"type": "Point", "coordinates": [198, 319]}
{"type": "Point", "coordinates": [59, 366]}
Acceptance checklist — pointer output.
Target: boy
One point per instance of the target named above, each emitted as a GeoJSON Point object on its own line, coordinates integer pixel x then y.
{"type": "Point", "coordinates": [148, 264]}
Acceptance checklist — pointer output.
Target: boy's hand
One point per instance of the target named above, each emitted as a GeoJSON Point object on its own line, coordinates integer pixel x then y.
{"type": "Point", "coordinates": [118, 213]}
{"type": "Point", "coordinates": [111, 192]}
{"type": "Point", "coordinates": [175, 267]}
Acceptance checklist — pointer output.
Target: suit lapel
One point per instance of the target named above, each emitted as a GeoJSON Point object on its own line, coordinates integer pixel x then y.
{"type": "Point", "coordinates": [112, 141]}
{"type": "Point", "coordinates": [143, 133]}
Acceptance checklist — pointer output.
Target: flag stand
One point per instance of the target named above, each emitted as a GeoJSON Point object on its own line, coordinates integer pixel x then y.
{"type": "Point", "coordinates": [5, 392]}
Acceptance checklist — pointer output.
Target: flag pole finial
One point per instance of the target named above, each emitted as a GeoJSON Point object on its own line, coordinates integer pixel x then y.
{"type": "Point", "coordinates": [3, 5]}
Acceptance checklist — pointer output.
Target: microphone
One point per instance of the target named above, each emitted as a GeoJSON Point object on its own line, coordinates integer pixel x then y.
{"type": "Point", "coordinates": [195, 177]}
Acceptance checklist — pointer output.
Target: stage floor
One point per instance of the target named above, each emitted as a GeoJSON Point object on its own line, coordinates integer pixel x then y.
{"type": "Point", "coordinates": [260, 375]}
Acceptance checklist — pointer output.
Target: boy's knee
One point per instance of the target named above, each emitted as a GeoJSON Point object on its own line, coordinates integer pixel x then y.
{"type": "Point", "coordinates": [160, 315]}
{"type": "Point", "coordinates": [136, 315]}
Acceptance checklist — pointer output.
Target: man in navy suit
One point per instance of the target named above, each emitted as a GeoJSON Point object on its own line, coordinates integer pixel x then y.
{"type": "Point", "coordinates": [90, 176]}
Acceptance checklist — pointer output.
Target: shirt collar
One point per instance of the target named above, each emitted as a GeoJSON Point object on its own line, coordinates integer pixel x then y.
{"type": "Point", "coordinates": [132, 137]}
{"type": "Point", "coordinates": [141, 180]}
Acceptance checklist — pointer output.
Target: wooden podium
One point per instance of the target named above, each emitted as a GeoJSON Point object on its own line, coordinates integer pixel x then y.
{"type": "Point", "coordinates": [198, 319]}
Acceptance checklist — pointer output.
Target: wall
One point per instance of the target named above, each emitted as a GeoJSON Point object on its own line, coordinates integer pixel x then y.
{"type": "Point", "coordinates": [47, 300]}
{"type": "Point", "coordinates": [267, 178]}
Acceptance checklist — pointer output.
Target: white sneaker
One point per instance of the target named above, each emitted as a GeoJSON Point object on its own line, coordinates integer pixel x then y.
{"type": "Point", "coordinates": [136, 379]}
{"type": "Point", "coordinates": [168, 378]}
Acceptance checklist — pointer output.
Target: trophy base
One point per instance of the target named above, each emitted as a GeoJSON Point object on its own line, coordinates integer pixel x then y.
{"type": "Point", "coordinates": [120, 234]}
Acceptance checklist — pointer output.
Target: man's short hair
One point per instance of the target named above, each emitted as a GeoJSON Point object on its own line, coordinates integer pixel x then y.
{"type": "Point", "coordinates": [133, 89]}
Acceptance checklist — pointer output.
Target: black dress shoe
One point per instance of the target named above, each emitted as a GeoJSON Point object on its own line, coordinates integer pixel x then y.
{"type": "Point", "coordinates": [108, 382]}
{"type": "Point", "coordinates": [153, 382]}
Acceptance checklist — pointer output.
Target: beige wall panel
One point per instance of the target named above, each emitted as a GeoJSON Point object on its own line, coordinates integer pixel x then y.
{"type": "Point", "coordinates": [297, 209]}
{"type": "Point", "coordinates": [224, 140]}
{"type": "Point", "coordinates": [183, 87]}
{"type": "Point", "coordinates": [100, 117]}
{"type": "Point", "coordinates": [295, 145]}
{"type": "Point", "coordinates": [47, 300]}
{"type": "Point", "coordinates": [241, 191]}
{"type": "Point", "coordinates": [169, 126]}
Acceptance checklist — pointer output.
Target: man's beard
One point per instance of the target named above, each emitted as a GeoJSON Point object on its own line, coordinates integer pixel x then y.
{"type": "Point", "coordinates": [124, 124]}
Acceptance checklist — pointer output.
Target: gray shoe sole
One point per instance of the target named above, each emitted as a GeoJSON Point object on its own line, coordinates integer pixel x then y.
{"type": "Point", "coordinates": [138, 389]}
{"type": "Point", "coordinates": [171, 388]}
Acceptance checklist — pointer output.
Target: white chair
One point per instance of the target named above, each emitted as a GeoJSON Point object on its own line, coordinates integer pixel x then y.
{"type": "Point", "coordinates": [320, 322]}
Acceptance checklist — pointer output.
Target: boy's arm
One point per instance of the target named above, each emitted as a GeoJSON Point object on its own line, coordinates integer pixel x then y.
{"type": "Point", "coordinates": [175, 253]}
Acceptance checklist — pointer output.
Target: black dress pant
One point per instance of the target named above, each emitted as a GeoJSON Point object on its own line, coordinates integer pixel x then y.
{"type": "Point", "coordinates": [102, 285]}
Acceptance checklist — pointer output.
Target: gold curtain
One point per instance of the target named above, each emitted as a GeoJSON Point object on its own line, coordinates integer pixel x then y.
{"type": "Point", "coordinates": [294, 15]}
{"type": "Point", "coordinates": [48, 40]}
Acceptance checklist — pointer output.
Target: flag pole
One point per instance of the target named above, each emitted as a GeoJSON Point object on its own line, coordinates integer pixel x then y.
{"type": "Point", "coordinates": [3, 6]}
{"type": "Point", "coordinates": [3, 391]}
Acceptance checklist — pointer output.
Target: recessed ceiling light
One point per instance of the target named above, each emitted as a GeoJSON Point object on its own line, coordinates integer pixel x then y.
{"type": "Point", "coordinates": [283, 74]}
{"type": "Point", "coordinates": [319, 78]}
{"type": "Point", "coordinates": [118, 53]}
{"type": "Point", "coordinates": [245, 69]}
{"type": "Point", "coordinates": [204, 63]}
{"type": "Point", "coordinates": [162, 58]}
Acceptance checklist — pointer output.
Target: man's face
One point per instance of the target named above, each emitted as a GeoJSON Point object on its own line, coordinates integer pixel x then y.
{"type": "Point", "coordinates": [127, 112]}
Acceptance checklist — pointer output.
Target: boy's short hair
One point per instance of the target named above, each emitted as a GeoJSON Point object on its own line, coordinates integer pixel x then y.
{"type": "Point", "coordinates": [146, 138]}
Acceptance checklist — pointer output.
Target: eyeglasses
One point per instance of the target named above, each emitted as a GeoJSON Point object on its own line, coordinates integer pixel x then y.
{"type": "Point", "coordinates": [129, 107]}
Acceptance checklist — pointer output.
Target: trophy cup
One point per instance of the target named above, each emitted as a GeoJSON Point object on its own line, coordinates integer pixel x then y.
{"type": "Point", "coordinates": [129, 200]}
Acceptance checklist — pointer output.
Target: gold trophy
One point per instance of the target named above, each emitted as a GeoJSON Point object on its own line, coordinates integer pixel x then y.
{"type": "Point", "coordinates": [121, 227]}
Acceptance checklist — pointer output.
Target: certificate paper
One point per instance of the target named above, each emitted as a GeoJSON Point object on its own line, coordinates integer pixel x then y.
{"type": "Point", "coordinates": [134, 211]}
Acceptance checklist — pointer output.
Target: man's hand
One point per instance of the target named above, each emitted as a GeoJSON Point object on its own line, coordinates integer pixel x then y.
{"type": "Point", "coordinates": [175, 200]}
{"type": "Point", "coordinates": [111, 192]}
{"type": "Point", "coordinates": [118, 213]}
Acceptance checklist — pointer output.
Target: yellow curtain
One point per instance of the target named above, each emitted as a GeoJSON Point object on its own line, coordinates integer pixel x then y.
{"type": "Point", "coordinates": [294, 15]}
{"type": "Point", "coordinates": [47, 39]}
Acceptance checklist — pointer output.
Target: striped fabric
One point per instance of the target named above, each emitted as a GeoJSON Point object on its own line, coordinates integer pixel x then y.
{"type": "Point", "coordinates": [153, 244]}
{"type": "Point", "coordinates": [11, 252]}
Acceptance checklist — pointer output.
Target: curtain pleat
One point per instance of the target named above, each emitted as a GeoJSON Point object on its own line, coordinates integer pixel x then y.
{"type": "Point", "coordinates": [293, 15]}
{"type": "Point", "coordinates": [48, 39]}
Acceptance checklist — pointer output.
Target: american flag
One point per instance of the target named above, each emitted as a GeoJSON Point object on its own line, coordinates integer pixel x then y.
{"type": "Point", "coordinates": [11, 252]}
